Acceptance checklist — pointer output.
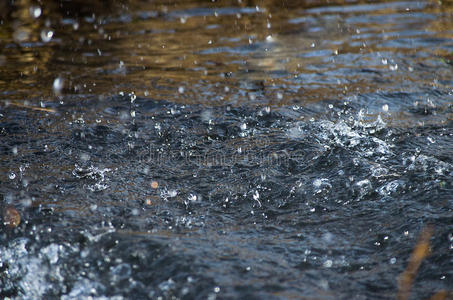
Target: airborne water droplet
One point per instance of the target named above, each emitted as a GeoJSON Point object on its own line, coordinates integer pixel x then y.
{"type": "Point", "coordinates": [46, 35]}
{"type": "Point", "coordinates": [58, 85]}
{"type": "Point", "coordinates": [35, 11]}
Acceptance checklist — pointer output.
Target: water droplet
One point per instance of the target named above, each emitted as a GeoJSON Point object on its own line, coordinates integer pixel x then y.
{"type": "Point", "coordinates": [394, 67]}
{"type": "Point", "coordinates": [35, 11]}
{"type": "Point", "coordinates": [57, 85]}
{"type": "Point", "coordinates": [46, 35]}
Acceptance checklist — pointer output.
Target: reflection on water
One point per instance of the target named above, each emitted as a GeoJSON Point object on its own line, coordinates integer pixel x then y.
{"type": "Point", "coordinates": [260, 52]}
{"type": "Point", "coordinates": [234, 149]}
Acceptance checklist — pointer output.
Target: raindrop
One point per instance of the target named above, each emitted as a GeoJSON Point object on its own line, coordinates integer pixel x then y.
{"type": "Point", "coordinates": [58, 85]}
{"type": "Point", "coordinates": [394, 67]}
{"type": "Point", "coordinates": [35, 11]}
{"type": "Point", "coordinates": [46, 35]}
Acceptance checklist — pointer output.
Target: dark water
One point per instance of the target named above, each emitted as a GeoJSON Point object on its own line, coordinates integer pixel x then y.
{"type": "Point", "coordinates": [233, 149]}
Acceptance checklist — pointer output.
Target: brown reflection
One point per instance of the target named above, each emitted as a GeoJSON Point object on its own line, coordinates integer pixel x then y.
{"type": "Point", "coordinates": [217, 52]}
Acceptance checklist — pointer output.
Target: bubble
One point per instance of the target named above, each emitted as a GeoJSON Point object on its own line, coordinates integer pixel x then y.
{"type": "Point", "coordinates": [12, 175]}
{"type": "Point", "coordinates": [385, 108]}
{"type": "Point", "coordinates": [181, 90]}
{"type": "Point", "coordinates": [46, 35]}
{"type": "Point", "coordinates": [392, 260]}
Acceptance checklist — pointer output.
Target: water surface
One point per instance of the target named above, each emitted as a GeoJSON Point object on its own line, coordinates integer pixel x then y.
{"type": "Point", "coordinates": [234, 149]}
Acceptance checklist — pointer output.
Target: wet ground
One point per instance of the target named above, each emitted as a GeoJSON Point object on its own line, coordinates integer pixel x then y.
{"type": "Point", "coordinates": [233, 149]}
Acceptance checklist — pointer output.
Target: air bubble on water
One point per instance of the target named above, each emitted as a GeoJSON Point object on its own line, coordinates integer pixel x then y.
{"type": "Point", "coordinates": [392, 260]}
{"type": "Point", "coordinates": [216, 289]}
{"type": "Point", "coordinates": [385, 108]}
{"type": "Point", "coordinates": [57, 85]}
{"type": "Point", "coordinates": [181, 90]}
{"type": "Point", "coordinates": [46, 35]}
{"type": "Point", "coordinates": [12, 175]}
{"type": "Point", "coordinates": [35, 11]}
